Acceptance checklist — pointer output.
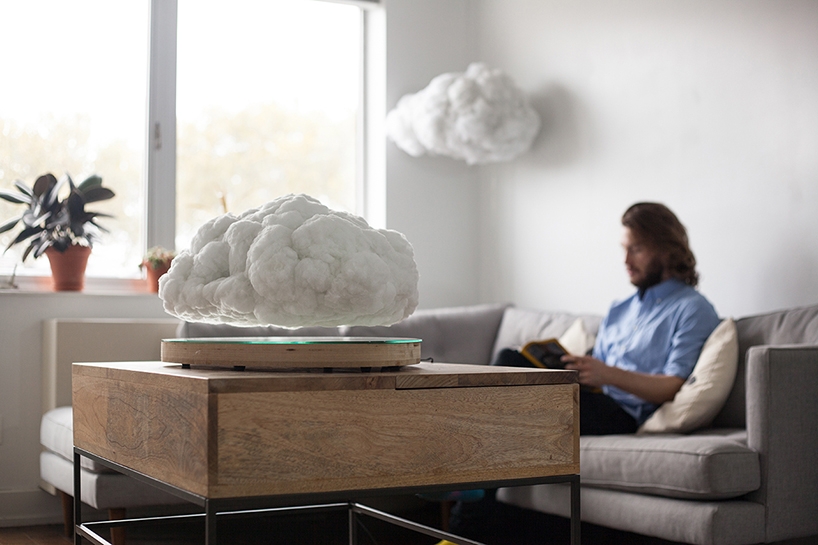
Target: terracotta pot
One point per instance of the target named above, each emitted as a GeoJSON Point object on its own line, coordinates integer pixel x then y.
{"type": "Point", "coordinates": [154, 274]}
{"type": "Point", "coordinates": [68, 267]}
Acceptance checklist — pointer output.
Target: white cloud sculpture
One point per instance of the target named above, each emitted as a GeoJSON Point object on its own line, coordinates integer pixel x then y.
{"type": "Point", "coordinates": [479, 116]}
{"type": "Point", "coordinates": [292, 262]}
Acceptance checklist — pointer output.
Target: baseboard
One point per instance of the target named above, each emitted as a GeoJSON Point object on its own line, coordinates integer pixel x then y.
{"type": "Point", "coordinates": [29, 508]}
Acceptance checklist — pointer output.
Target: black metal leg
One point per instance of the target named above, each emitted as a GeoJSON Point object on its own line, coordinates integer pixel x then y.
{"type": "Point", "coordinates": [576, 523]}
{"type": "Point", "coordinates": [353, 525]}
{"type": "Point", "coordinates": [77, 498]}
{"type": "Point", "coordinates": [210, 523]}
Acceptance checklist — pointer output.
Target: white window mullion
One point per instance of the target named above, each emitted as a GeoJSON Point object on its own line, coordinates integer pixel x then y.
{"type": "Point", "coordinates": [161, 148]}
{"type": "Point", "coordinates": [373, 142]}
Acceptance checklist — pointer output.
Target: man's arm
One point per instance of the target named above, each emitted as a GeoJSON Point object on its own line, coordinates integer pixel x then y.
{"type": "Point", "coordinates": [652, 388]}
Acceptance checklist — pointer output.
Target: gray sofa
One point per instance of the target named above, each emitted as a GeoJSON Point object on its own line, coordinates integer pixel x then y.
{"type": "Point", "coordinates": [751, 477]}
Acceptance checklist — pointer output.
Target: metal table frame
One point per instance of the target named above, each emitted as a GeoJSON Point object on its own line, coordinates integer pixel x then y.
{"type": "Point", "coordinates": [215, 508]}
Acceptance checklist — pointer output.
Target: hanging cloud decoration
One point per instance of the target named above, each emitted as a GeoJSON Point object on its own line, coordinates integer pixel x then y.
{"type": "Point", "coordinates": [292, 262]}
{"type": "Point", "coordinates": [479, 116]}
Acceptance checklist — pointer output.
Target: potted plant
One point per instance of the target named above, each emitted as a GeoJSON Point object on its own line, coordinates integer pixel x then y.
{"type": "Point", "coordinates": [156, 262]}
{"type": "Point", "coordinates": [58, 227]}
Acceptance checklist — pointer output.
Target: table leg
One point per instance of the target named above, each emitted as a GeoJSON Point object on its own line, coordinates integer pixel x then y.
{"type": "Point", "coordinates": [77, 498]}
{"type": "Point", "coordinates": [210, 523]}
{"type": "Point", "coordinates": [576, 523]}
{"type": "Point", "coordinates": [353, 526]}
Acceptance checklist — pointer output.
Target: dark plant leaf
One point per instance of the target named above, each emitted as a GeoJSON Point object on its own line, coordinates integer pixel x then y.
{"type": "Point", "coordinates": [23, 188]}
{"type": "Point", "coordinates": [39, 249]}
{"type": "Point", "coordinates": [75, 205]}
{"type": "Point", "coordinates": [28, 251]}
{"type": "Point", "coordinates": [26, 233]}
{"type": "Point", "coordinates": [16, 199]}
{"type": "Point", "coordinates": [49, 200]}
{"type": "Point", "coordinates": [96, 194]}
{"type": "Point", "coordinates": [98, 226]}
{"type": "Point", "coordinates": [60, 218]}
{"type": "Point", "coordinates": [44, 183]}
{"type": "Point", "coordinates": [89, 183]}
{"type": "Point", "coordinates": [9, 225]}
{"type": "Point", "coordinates": [30, 219]}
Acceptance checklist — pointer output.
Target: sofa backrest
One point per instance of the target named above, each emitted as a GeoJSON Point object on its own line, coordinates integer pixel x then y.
{"type": "Point", "coordinates": [452, 335]}
{"type": "Point", "coordinates": [792, 326]}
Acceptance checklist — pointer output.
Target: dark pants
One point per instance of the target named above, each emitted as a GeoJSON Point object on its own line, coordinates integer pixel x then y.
{"type": "Point", "coordinates": [598, 415]}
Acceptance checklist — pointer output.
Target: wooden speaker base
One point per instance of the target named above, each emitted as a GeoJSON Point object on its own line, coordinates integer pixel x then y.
{"type": "Point", "coordinates": [293, 352]}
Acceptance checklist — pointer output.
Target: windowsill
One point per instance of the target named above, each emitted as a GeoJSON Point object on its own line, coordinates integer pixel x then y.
{"type": "Point", "coordinates": [39, 285]}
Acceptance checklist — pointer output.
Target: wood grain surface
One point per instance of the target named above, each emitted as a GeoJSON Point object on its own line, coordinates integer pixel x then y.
{"type": "Point", "coordinates": [222, 433]}
{"type": "Point", "coordinates": [154, 428]}
{"type": "Point", "coordinates": [329, 441]}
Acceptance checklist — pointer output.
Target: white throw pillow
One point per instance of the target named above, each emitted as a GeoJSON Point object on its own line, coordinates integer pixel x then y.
{"type": "Point", "coordinates": [576, 340]}
{"type": "Point", "coordinates": [703, 394]}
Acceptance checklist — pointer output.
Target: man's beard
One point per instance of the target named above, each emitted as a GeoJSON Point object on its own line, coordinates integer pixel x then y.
{"type": "Point", "coordinates": [653, 276]}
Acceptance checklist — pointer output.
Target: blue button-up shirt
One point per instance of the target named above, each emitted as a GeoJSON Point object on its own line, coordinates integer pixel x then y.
{"type": "Point", "coordinates": [661, 332]}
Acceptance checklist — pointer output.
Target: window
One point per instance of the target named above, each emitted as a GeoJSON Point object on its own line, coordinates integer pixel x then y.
{"type": "Point", "coordinates": [73, 101]}
{"type": "Point", "coordinates": [267, 100]}
{"type": "Point", "coordinates": [266, 97]}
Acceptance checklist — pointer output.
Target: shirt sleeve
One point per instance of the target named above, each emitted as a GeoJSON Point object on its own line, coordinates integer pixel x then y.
{"type": "Point", "coordinates": [599, 345]}
{"type": "Point", "coordinates": [696, 322]}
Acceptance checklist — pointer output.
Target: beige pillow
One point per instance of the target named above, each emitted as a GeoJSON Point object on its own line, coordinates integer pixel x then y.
{"type": "Point", "coordinates": [576, 340]}
{"type": "Point", "coordinates": [703, 394]}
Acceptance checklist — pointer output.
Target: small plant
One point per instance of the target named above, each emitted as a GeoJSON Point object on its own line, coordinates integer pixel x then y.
{"type": "Point", "coordinates": [53, 222]}
{"type": "Point", "coordinates": [157, 257]}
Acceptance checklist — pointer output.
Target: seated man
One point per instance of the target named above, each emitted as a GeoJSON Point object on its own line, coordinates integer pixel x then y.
{"type": "Point", "coordinates": [647, 344]}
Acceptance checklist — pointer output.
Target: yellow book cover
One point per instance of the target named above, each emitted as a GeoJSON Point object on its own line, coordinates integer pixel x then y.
{"type": "Point", "coordinates": [545, 354]}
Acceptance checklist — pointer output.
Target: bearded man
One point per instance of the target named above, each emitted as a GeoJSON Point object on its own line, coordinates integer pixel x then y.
{"type": "Point", "coordinates": [647, 344]}
{"type": "Point", "coordinates": [645, 349]}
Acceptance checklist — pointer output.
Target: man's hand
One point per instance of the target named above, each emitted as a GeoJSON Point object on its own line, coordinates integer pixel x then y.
{"type": "Point", "coordinates": [592, 372]}
{"type": "Point", "coordinates": [652, 388]}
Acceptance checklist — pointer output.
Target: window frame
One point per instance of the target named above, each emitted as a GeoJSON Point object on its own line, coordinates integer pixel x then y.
{"type": "Point", "coordinates": [159, 174]}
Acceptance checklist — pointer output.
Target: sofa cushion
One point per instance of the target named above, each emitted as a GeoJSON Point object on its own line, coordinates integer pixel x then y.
{"type": "Point", "coordinates": [576, 340]}
{"type": "Point", "coordinates": [672, 520]}
{"type": "Point", "coordinates": [451, 335]}
{"type": "Point", "coordinates": [704, 392]}
{"type": "Point", "coordinates": [702, 466]}
{"type": "Point", "coordinates": [57, 436]}
{"type": "Point", "coordinates": [520, 326]}
{"type": "Point", "coordinates": [102, 490]}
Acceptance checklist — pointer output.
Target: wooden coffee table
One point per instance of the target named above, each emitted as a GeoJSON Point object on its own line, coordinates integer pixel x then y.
{"type": "Point", "coordinates": [231, 440]}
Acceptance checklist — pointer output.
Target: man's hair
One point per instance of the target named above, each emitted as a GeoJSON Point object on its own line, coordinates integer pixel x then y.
{"type": "Point", "coordinates": [656, 226]}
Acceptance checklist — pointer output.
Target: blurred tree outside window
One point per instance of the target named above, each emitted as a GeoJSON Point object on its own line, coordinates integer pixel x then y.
{"type": "Point", "coordinates": [267, 104]}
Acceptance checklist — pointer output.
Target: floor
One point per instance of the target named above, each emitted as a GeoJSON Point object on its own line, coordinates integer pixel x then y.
{"type": "Point", "coordinates": [329, 529]}
{"type": "Point", "coordinates": [520, 527]}
{"type": "Point", "coordinates": [311, 529]}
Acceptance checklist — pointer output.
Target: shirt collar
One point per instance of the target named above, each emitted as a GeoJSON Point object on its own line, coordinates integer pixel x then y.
{"type": "Point", "coordinates": [662, 290]}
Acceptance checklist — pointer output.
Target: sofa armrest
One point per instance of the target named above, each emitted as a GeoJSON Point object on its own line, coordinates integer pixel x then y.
{"type": "Point", "coordinates": [782, 409]}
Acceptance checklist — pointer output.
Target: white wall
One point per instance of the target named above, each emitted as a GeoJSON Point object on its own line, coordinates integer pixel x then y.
{"type": "Point", "coordinates": [432, 200]}
{"type": "Point", "coordinates": [21, 319]}
{"type": "Point", "coordinates": [710, 106]}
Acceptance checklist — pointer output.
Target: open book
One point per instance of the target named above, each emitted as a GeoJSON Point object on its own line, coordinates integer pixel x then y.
{"type": "Point", "coordinates": [545, 354]}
